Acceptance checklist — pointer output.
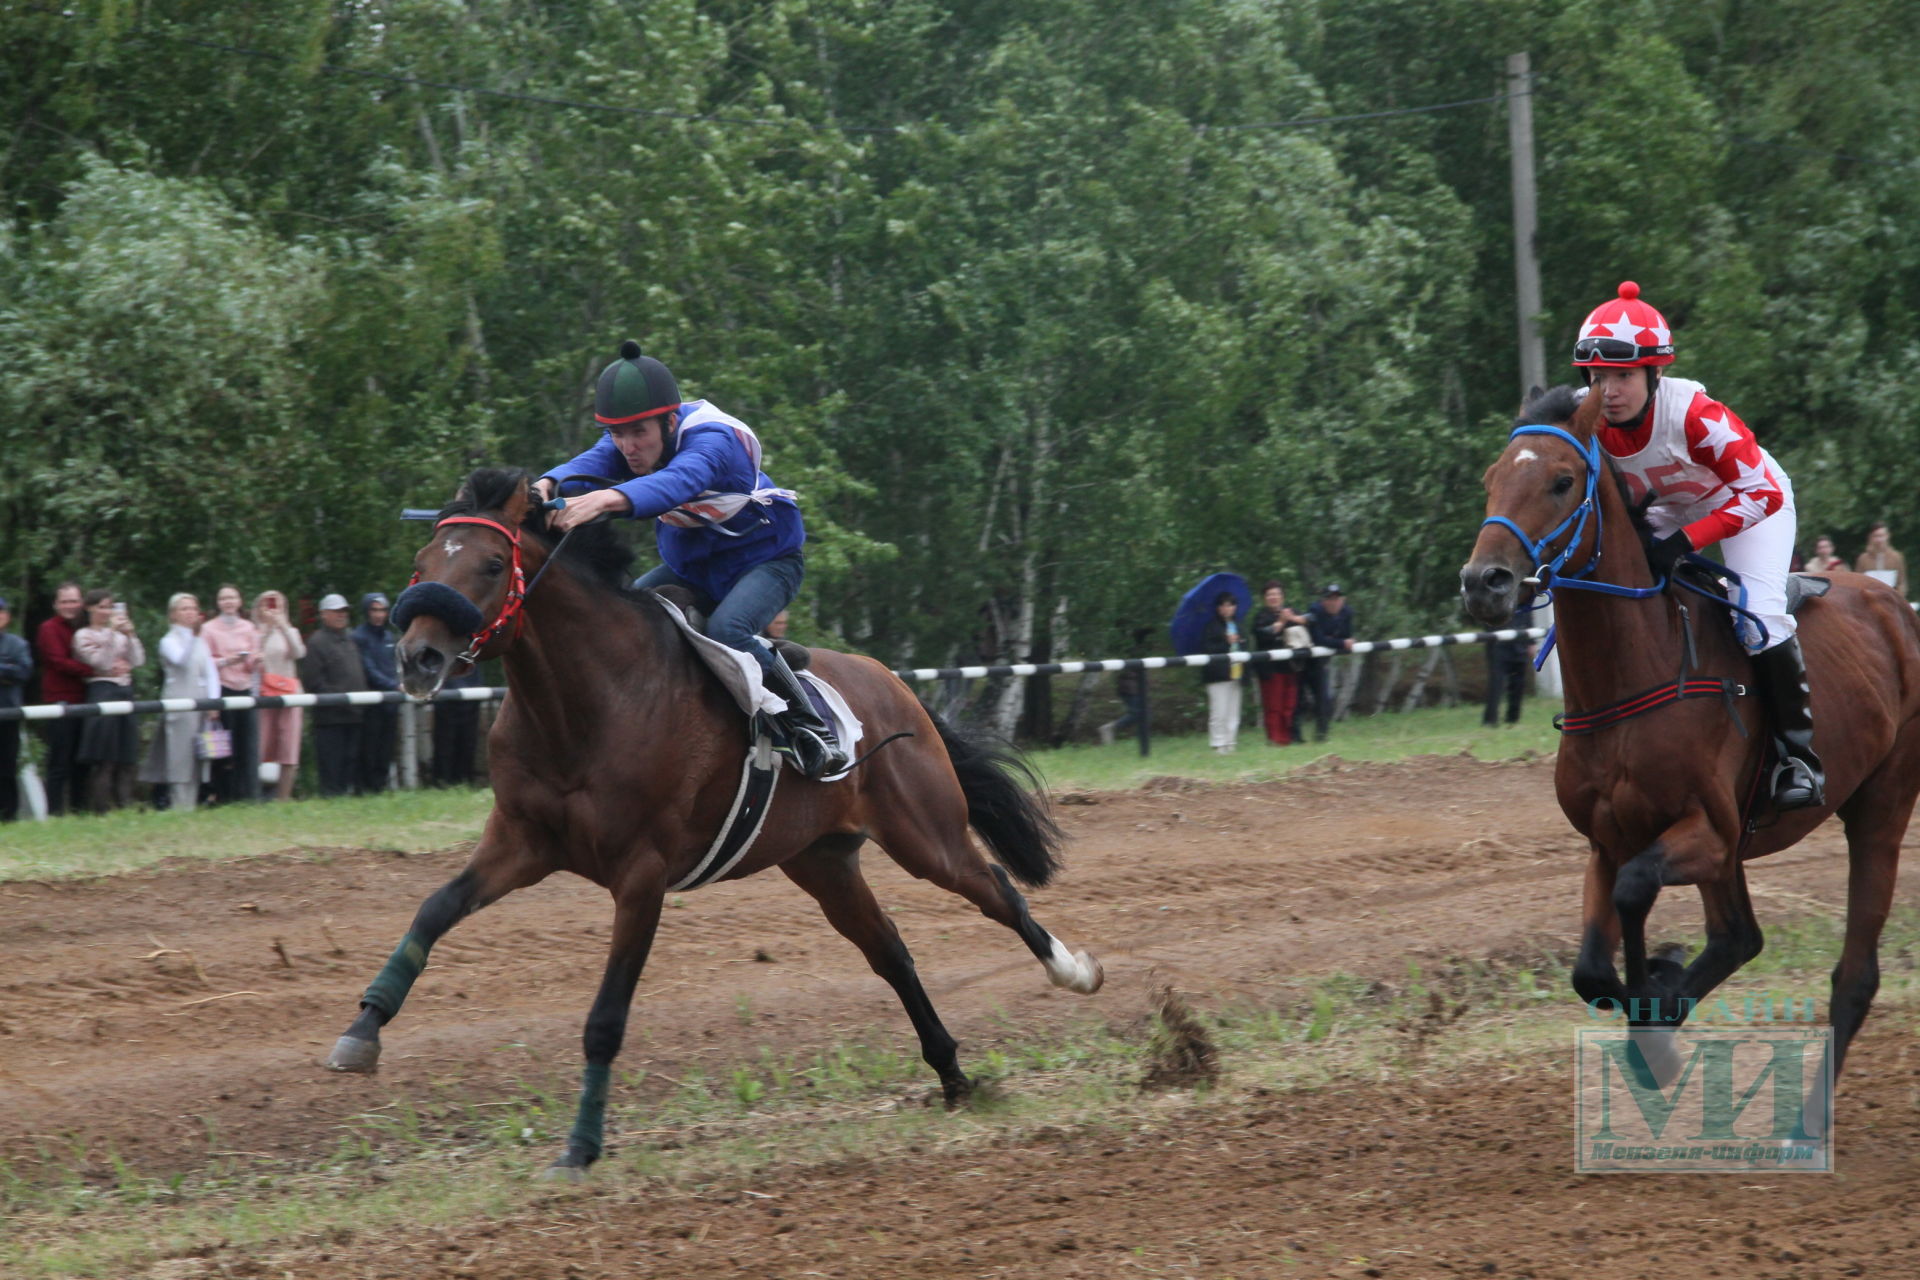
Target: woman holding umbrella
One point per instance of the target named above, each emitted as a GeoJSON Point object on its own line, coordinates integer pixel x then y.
{"type": "Point", "coordinates": [1222, 675]}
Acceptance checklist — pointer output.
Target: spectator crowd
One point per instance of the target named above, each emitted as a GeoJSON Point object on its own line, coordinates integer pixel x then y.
{"type": "Point", "coordinates": [90, 651]}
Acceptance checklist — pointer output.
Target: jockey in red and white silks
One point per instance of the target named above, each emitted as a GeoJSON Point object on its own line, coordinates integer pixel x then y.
{"type": "Point", "coordinates": [1709, 482]}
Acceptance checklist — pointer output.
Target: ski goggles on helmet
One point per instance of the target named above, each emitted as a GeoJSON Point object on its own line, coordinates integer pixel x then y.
{"type": "Point", "coordinates": [1615, 350]}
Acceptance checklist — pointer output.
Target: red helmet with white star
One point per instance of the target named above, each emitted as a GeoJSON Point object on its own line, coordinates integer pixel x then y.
{"type": "Point", "coordinates": [1625, 333]}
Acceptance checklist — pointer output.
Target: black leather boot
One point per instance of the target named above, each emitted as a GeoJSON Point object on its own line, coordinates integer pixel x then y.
{"type": "Point", "coordinates": [813, 749]}
{"type": "Point", "coordinates": [1798, 782]}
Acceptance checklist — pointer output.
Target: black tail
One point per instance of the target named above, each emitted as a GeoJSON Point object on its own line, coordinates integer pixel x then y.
{"type": "Point", "coordinates": [1012, 819]}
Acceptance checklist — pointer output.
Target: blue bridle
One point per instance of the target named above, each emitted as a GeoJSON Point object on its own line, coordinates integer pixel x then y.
{"type": "Point", "coordinates": [1548, 573]}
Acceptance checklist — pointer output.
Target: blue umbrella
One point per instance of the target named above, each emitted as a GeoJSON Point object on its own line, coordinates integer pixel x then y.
{"type": "Point", "coordinates": [1190, 620]}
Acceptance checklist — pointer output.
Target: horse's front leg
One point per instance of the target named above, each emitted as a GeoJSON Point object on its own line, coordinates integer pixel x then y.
{"type": "Point", "coordinates": [1594, 976]}
{"type": "Point", "coordinates": [1659, 993]}
{"type": "Point", "coordinates": [636, 916]}
{"type": "Point", "coordinates": [1733, 938]}
{"type": "Point", "coordinates": [501, 863]}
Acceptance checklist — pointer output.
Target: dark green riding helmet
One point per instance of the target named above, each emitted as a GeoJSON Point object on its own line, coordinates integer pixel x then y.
{"type": "Point", "coordinates": [633, 388]}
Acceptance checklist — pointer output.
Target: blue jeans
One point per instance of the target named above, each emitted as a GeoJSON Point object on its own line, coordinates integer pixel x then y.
{"type": "Point", "coordinates": [737, 621]}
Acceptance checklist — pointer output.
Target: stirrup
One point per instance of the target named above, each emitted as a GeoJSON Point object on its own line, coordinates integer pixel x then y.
{"type": "Point", "coordinates": [1796, 785]}
{"type": "Point", "coordinates": [813, 755]}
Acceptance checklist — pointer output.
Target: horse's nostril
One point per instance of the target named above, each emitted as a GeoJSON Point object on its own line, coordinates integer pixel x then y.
{"type": "Point", "coordinates": [428, 659]}
{"type": "Point", "coordinates": [1497, 579]}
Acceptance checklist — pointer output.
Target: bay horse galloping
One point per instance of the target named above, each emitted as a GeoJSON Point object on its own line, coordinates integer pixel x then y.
{"type": "Point", "coordinates": [1661, 766]}
{"type": "Point", "coordinates": [617, 756]}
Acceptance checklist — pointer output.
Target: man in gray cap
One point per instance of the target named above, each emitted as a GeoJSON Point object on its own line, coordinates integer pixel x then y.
{"type": "Point", "coordinates": [376, 642]}
{"type": "Point", "coordinates": [332, 665]}
{"type": "Point", "coordinates": [1331, 625]}
{"type": "Point", "coordinates": [16, 668]}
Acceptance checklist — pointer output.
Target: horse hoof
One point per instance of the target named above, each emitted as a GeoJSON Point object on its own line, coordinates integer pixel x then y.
{"type": "Point", "coordinates": [572, 1174]}
{"type": "Point", "coordinates": [362, 1057]}
{"type": "Point", "coordinates": [1093, 974]}
{"type": "Point", "coordinates": [1658, 1051]}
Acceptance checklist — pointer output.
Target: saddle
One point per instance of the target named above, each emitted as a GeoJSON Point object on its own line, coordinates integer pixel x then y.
{"type": "Point", "coordinates": [1802, 587]}
{"type": "Point", "coordinates": [798, 656]}
{"type": "Point", "coordinates": [1710, 578]}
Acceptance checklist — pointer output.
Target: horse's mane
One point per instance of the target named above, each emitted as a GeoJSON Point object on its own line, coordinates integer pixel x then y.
{"type": "Point", "coordinates": [595, 553]}
{"type": "Point", "coordinates": [1555, 407]}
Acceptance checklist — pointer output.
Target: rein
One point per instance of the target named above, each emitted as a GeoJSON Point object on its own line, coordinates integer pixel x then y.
{"type": "Point", "coordinates": [1552, 575]}
{"type": "Point", "coordinates": [458, 611]}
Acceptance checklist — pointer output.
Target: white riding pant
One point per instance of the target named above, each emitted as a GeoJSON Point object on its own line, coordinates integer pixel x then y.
{"type": "Point", "coordinates": [1763, 557]}
{"type": "Point", "coordinates": [1223, 713]}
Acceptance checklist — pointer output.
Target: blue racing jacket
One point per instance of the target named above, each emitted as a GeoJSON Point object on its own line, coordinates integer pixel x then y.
{"type": "Point", "coordinates": [718, 513]}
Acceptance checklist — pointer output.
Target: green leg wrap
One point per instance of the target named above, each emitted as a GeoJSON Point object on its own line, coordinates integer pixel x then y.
{"type": "Point", "coordinates": [389, 990]}
{"type": "Point", "coordinates": [587, 1127]}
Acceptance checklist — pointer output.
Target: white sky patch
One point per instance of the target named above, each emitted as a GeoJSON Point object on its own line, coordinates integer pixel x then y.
{"type": "Point", "coordinates": [452, 545]}
{"type": "Point", "coordinates": [1525, 455]}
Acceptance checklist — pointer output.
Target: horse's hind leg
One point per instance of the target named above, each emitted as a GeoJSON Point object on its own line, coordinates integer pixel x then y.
{"type": "Point", "coordinates": [1876, 817]}
{"type": "Point", "coordinates": [500, 864]}
{"type": "Point", "coordinates": [952, 863]}
{"type": "Point", "coordinates": [829, 871]}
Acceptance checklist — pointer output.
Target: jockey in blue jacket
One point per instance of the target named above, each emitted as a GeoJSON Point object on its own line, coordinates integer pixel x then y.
{"type": "Point", "coordinates": [724, 532]}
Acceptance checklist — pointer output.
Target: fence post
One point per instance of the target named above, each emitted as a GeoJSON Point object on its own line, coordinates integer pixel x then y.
{"type": "Point", "coordinates": [1146, 714]}
{"type": "Point", "coordinates": [409, 746]}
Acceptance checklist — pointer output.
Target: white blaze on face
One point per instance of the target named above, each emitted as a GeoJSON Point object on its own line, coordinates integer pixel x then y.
{"type": "Point", "coordinates": [451, 546]}
{"type": "Point", "coordinates": [1525, 455]}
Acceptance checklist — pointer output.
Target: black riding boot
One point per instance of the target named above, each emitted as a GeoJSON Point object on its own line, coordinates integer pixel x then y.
{"type": "Point", "coordinates": [1798, 782]}
{"type": "Point", "coordinates": [814, 752]}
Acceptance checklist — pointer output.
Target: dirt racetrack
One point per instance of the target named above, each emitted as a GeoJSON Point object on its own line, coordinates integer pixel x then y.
{"type": "Point", "coordinates": [177, 1015]}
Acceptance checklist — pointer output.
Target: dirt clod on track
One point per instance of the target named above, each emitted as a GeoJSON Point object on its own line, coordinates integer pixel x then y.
{"type": "Point", "coordinates": [178, 1015]}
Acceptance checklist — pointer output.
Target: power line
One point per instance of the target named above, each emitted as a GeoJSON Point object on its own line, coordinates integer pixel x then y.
{"type": "Point", "coordinates": [547, 100]}
{"type": "Point", "coordinates": [1821, 151]}
{"type": "Point", "coordinates": [511, 96]}
{"type": "Point", "coordinates": [1305, 122]}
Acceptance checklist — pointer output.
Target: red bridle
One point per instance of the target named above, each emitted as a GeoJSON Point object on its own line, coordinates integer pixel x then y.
{"type": "Point", "coordinates": [516, 590]}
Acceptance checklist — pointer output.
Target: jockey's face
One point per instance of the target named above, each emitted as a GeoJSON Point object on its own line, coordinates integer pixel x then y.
{"type": "Point", "coordinates": [1622, 392]}
{"type": "Point", "coordinates": [641, 443]}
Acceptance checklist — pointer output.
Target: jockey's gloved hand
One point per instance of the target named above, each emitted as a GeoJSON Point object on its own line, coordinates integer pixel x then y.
{"type": "Point", "coordinates": [1667, 552]}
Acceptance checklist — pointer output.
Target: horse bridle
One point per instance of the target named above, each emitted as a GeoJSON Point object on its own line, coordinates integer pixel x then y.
{"type": "Point", "coordinates": [510, 608]}
{"type": "Point", "coordinates": [1547, 572]}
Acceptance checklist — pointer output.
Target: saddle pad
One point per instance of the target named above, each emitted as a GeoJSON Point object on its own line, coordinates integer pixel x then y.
{"type": "Point", "coordinates": [833, 709]}
{"type": "Point", "coordinates": [741, 677]}
{"type": "Point", "coordinates": [738, 673]}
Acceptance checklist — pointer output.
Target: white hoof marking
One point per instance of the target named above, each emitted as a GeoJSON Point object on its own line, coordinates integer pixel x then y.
{"type": "Point", "coordinates": [1076, 971]}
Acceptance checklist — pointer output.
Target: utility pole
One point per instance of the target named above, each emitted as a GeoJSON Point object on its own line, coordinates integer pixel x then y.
{"type": "Point", "coordinates": [1526, 274]}
{"type": "Point", "coordinates": [1526, 267]}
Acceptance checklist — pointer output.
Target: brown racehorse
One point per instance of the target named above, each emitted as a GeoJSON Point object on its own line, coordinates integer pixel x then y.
{"type": "Point", "coordinates": [1662, 796]}
{"type": "Point", "coordinates": [616, 756]}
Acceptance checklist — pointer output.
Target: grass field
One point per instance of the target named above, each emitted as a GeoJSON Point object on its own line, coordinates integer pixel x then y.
{"type": "Point", "coordinates": [419, 820]}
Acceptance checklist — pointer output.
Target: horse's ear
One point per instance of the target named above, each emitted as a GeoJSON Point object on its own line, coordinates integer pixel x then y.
{"type": "Point", "coordinates": [518, 503]}
{"type": "Point", "coordinates": [1586, 419]}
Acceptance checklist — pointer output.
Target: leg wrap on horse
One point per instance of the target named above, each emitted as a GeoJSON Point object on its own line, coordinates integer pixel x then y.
{"type": "Point", "coordinates": [389, 990]}
{"type": "Point", "coordinates": [584, 1141]}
